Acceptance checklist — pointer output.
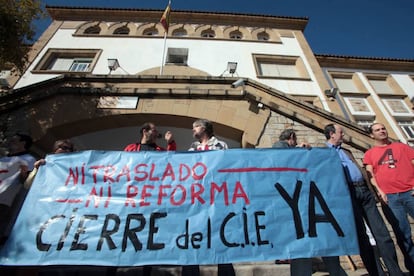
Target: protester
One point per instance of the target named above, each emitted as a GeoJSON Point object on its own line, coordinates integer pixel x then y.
{"type": "Point", "coordinates": [148, 137]}
{"type": "Point", "coordinates": [203, 132]}
{"type": "Point", "coordinates": [60, 146]}
{"type": "Point", "coordinates": [15, 168]}
{"type": "Point", "coordinates": [364, 205]}
{"type": "Point", "coordinates": [288, 139]}
{"type": "Point", "coordinates": [390, 166]}
{"type": "Point", "coordinates": [303, 266]}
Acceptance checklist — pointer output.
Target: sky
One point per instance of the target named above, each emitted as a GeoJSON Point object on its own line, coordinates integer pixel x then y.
{"type": "Point", "coordinates": [362, 28]}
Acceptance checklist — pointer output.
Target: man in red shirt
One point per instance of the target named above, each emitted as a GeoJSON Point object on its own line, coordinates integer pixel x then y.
{"type": "Point", "coordinates": [390, 166]}
{"type": "Point", "coordinates": [149, 135]}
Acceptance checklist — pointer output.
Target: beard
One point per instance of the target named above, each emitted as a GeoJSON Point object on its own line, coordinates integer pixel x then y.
{"type": "Point", "coordinates": [197, 136]}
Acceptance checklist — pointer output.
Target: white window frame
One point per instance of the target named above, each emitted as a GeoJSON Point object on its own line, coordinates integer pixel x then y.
{"type": "Point", "coordinates": [283, 67]}
{"type": "Point", "coordinates": [408, 112]}
{"type": "Point", "coordinates": [408, 128]}
{"type": "Point", "coordinates": [68, 60]}
{"type": "Point", "coordinates": [350, 104]}
{"type": "Point", "coordinates": [80, 65]}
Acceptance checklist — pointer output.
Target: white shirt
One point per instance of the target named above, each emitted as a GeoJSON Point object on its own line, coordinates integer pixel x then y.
{"type": "Point", "coordinates": [212, 144]}
{"type": "Point", "coordinates": [10, 184]}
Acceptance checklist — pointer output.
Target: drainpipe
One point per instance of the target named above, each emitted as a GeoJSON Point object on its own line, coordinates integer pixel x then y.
{"type": "Point", "coordinates": [336, 96]}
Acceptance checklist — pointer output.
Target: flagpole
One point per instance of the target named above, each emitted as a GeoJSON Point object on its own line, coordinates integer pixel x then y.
{"type": "Point", "coordinates": [163, 54]}
{"type": "Point", "coordinates": [166, 15]}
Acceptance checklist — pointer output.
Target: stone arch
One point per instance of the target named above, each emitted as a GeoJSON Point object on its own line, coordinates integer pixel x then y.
{"type": "Point", "coordinates": [236, 119]}
{"type": "Point", "coordinates": [245, 34]}
{"type": "Point", "coordinates": [273, 35]}
{"type": "Point", "coordinates": [123, 129]}
{"type": "Point", "coordinates": [121, 28]}
{"type": "Point", "coordinates": [180, 32]}
{"type": "Point", "coordinates": [177, 27]}
{"type": "Point", "coordinates": [143, 29]}
{"type": "Point", "coordinates": [228, 117]}
{"type": "Point", "coordinates": [175, 70]}
{"type": "Point", "coordinates": [208, 33]}
{"type": "Point", "coordinates": [92, 28]}
{"type": "Point", "coordinates": [236, 34]}
{"type": "Point", "coordinates": [202, 28]}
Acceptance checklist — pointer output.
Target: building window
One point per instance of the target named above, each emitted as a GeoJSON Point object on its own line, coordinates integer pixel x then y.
{"type": "Point", "coordinates": [346, 84]}
{"type": "Point", "coordinates": [359, 106]}
{"type": "Point", "coordinates": [70, 64]}
{"type": "Point", "coordinates": [177, 56]}
{"type": "Point", "coordinates": [68, 60]}
{"type": "Point", "coordinates": [124, 30]}
{"type": "Point", "coordinates": [80, 64]}
{"type": "Point", "coordinates": [280, 66]}
{"type": "Point", "coordinates": [397, 107]}
{"type": "Point", "coordinates": [93, 30]}
{"type": "Point", "coordinates": [151, 32]}
{"type": "Point", "coordinates": [381, 85]}
{"type": "Point", "coordinates": [408, 128]}
{"type": "Point", "coordinates": [208, 34]}
{"type": "Point", "coordinates": [236, 35]}
{"type": "Point", "coordinates": [179, 32]}
{"type": "Point", "coordinates": [4, 75]}
{"type": "Point", "coordinates": [263, 36]}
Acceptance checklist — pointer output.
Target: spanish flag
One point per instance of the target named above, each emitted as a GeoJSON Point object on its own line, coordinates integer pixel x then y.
{"type": "Point", "coordinates": [165, 18]}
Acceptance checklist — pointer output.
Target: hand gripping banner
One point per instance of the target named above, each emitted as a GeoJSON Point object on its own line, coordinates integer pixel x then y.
{"type": "Point", "coordinates": [137, 208]}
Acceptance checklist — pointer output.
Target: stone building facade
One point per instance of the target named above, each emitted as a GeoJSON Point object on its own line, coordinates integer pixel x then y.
{"type": "Point", "coordinates": [70, 90]}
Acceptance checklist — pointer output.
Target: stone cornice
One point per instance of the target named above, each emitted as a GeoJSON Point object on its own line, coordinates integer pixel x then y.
{"type": "Point", "coordinates": [366, 63]}
{"type": "Point", "coordinates": [177, 17]}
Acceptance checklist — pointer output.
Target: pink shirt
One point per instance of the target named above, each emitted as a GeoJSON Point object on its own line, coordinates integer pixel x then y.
{"type": "Point", "coordinates": [392, 165]}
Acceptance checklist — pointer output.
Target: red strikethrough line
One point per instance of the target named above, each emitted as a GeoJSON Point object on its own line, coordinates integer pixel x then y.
{"type": "Point", "coordinates": [68, 200]}
{"type": "Point", "coordinates": [254, 169]}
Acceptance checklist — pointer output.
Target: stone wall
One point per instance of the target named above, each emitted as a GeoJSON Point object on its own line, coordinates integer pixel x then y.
{"type": "Point", "coordinates": [277, 123]}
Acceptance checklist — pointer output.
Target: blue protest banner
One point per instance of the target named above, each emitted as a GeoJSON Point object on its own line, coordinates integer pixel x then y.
{"type": "Point", "coordinates": [137, 208]}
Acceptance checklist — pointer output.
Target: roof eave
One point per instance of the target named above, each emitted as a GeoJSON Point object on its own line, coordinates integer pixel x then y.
{"type": "Point", "coordinates": [64, 13]}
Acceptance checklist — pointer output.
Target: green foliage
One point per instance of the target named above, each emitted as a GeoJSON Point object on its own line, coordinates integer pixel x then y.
{"type": "Point", "coordinates": [17, 31]}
